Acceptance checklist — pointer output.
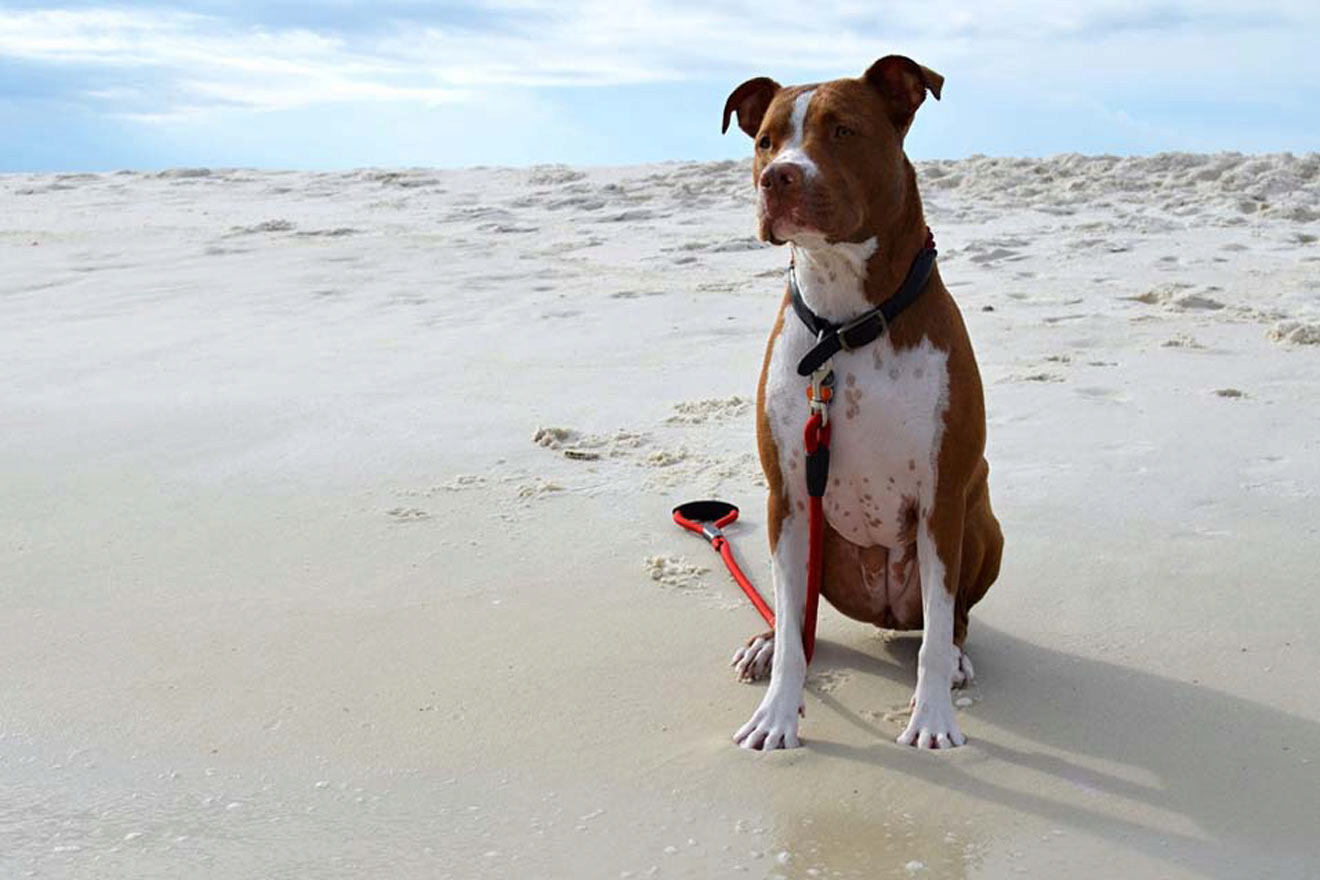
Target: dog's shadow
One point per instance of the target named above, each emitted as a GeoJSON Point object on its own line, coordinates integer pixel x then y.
{"type": "Point", "coordinates": [1245, 775]}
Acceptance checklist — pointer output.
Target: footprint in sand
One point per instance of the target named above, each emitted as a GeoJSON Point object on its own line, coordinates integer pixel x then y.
{"type": "Point", "coordinates": [538, 487]}
{"type": "Point", "coordinates": [1109, 395]}
{"type": "Point", "coordinates": [1176, 296]}
{"type": "Point", "coordinates": [588, 447]}
{"type": "Point", "coordinates": [993, 255]}
{"type": "Point", "coordinates": [407, 514]}
{"type": "Point", "coordinates": [632, 215]}
{"type": "Point", "coordinates": [276, 225]}
{"type": "Point", "coordinates": [459, 483]}
{"type": "Point", "coordinates": [336, 232]}
{"type": "Point", "coordinates": [696, 412]}
{"type": "Point", "coordinates": [827, 681]}
{"type": "Point", "coordinates": [676, 572]}
{"type": "Point", "coordinates": [1181, 340]}
{"type": "Point", "coordinates": [1296, 332]}
{"type": "Point", "coordinates": [994, 250]}
{"type": "Point", "coordinates": [663, 458]}
{"type": "Point", "coordinates": [635, 294]}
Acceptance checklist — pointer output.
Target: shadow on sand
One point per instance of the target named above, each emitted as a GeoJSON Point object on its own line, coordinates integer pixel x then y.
{"type": "Point", "coordinates": [1247, 776]}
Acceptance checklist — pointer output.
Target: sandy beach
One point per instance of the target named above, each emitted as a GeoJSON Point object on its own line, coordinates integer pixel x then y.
{"type": "Point", "coordinates": [335, 538]}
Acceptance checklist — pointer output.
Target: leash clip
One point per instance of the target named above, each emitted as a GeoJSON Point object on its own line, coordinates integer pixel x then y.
{"type": "Point", "coordinates": [820, 390]}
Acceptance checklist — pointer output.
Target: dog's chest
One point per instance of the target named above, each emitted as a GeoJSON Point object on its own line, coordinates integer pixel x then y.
{"type": "Point", "coordinates": [887, 416]}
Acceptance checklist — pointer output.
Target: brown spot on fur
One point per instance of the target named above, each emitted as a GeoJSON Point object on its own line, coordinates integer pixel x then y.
{"type": "Point", "coordinates": [912, 464]}
{"type": "Point", "coordinates": [853, 396]}
{"type": "Point", "coordinates": [850, 380]}
{"type": "Point", "coordinates": [801, 506]}
{"type": "Point", "coordinates": [907, 519]}
{"type": "Point", "coordinates": [921, 372]}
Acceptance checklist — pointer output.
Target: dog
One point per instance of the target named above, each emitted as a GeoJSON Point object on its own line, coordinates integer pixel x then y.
{"type": "Point", "coordinates": [910, 540]}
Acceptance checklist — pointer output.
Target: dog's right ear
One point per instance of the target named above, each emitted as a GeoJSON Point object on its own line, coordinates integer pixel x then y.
{"type": "Point", "coordinates": [750, 101]}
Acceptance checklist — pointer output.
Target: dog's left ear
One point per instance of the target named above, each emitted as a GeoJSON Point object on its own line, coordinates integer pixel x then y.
{"type": "Point", "coordinates": [904, 83]}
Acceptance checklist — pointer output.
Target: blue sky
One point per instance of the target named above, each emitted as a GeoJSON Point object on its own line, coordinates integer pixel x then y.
{"type": "Point", "coordinates": [348, 83]}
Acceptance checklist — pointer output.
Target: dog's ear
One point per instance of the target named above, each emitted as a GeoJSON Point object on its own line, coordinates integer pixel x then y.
{"type": "Point", "coordinates": [750, 101]}
{"type": "Point", "coordinates": [903, 83]}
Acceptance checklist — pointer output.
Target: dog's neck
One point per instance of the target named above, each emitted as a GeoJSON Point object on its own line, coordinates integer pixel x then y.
{"type": "Point", "coordinates": [840, 280]}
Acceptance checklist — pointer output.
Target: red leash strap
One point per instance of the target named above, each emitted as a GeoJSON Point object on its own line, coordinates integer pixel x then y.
{"type": "Point", "coordinates": [816, 438]}
{"type": "Point", "coordinates": [708, 518]}
{"type": "Point", "coordinates": [726, 551]}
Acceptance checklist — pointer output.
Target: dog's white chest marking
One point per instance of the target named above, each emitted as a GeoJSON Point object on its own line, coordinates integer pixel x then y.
{"type": "Point", "coordinates": [887, 416]}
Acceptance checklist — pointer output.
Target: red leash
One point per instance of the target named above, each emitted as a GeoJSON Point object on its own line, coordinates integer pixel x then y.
{"type": "Point", "coordinates": [816, 437]}
{"type": "Point", "coordinates": [708, 518]}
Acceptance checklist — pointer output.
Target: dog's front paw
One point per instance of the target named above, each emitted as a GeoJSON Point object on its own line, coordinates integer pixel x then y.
{"type": "Point", "coordinates": [933, 724]}
{"type": "Point", "coordinates": [752, 660]}
{"type": "Point", "coordinates": [774, 725]}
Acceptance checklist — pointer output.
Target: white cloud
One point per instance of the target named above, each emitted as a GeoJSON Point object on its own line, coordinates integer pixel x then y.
{"type": "Point", "coordinates": [197, 61]}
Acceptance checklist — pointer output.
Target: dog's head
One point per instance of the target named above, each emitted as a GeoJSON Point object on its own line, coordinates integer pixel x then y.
{"type": "Point", "coordinates": [829, 157]}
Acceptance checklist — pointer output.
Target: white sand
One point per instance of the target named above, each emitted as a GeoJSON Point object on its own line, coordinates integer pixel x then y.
{"type": "Point", "coordinates": [288, 589]}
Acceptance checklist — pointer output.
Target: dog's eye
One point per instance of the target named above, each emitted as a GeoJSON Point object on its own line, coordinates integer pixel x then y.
{"type": "Point", "coordinates": [843, 131]}
{"type": "Point", "coordinates": [764, 142]}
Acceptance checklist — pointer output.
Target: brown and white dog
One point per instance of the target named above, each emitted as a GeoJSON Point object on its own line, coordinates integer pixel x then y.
{"type": "Point", "coordinates": [910, 539]}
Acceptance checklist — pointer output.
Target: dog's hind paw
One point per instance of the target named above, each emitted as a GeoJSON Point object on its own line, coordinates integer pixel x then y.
{"type": "Point", "coordinates": [752, 660]}
{"type": "Point", "coordinates": [963, 674]}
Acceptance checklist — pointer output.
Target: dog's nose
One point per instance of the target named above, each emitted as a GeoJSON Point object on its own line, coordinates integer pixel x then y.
{"type": "Point", "coordinates": [780, 177]}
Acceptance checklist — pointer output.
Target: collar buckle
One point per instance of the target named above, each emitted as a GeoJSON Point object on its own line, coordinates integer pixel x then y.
{"type": "Point", "coordinates": [865, 320]}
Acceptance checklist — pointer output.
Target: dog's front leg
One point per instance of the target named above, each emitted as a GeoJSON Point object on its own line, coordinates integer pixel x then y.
{"type": "Point", "coordinates": [933, 724]}
{"type": "Point", "coordinates": [774, 724]}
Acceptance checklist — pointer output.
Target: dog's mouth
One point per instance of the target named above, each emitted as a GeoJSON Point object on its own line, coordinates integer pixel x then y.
{"type": "Point", "coordinates": [783, 227]}
{"type": "Point", "coordinates": [781, 222]}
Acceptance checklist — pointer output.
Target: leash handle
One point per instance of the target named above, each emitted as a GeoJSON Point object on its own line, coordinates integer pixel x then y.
{"type": "Point", "coordinates": [708, 519]}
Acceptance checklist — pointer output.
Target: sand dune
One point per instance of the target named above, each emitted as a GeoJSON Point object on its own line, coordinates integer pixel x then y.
{"type": "Point", "coordinates": [334, 538]}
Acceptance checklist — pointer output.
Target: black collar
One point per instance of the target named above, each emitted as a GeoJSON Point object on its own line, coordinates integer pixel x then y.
{"type": "Point", "coordinates": [867, 327]}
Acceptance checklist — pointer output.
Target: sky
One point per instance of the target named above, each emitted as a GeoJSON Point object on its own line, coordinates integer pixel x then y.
{"type": "Point", "coordinates": [353, 83]}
